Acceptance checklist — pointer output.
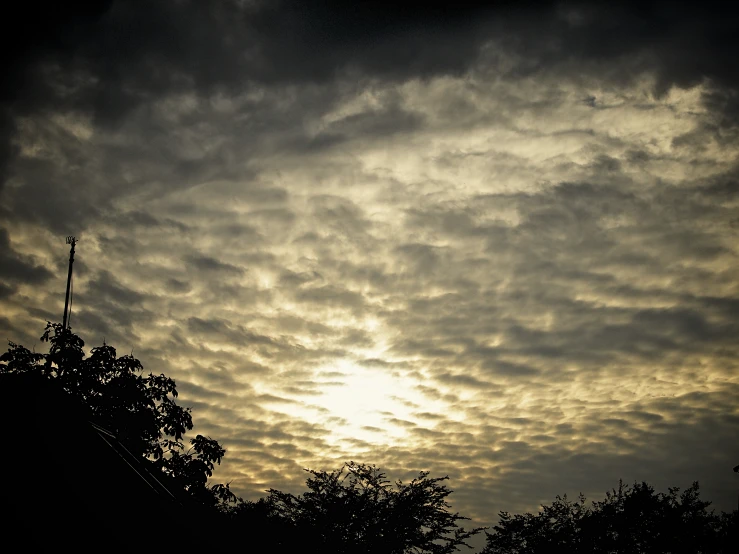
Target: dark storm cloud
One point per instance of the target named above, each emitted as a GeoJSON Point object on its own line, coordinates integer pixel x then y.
{"type": "Point", "coordinates": [107, 58]}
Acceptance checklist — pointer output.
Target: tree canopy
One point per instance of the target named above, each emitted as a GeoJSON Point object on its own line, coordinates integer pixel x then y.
{"type": "Point", "coordinates": [140, 410]}
{"type": "Point", "coordinates": [631, 519]}
{"type": "Point", "coordinates": [355, 509]}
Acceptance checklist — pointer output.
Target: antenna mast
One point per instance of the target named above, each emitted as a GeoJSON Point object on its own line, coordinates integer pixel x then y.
{"type": "Point", "coordinates": [70, 240]}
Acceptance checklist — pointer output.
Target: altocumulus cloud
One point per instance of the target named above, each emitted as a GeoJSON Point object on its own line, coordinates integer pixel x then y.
{"type": "Point", "coordinates": [498, 243]}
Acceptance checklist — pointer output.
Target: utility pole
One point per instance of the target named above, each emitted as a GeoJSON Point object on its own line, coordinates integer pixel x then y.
{"type": "Point", "coordinates": [70, 240]}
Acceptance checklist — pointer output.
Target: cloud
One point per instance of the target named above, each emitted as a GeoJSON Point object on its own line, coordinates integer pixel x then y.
{"type": "Point", "coordinates": [17, 268]}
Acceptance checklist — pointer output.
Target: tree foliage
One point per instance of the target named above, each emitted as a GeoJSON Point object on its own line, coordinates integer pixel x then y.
{"type": "Point", "coordinates": [140, 410]}
{"type": "Point", "coordinates": [357, 510]}
{"type": "Point", "coordinates": [632, 519]}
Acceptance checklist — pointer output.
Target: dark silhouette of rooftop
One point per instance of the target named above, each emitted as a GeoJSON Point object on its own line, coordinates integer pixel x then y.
{"type": "Point", "coordinates": [69, 481]}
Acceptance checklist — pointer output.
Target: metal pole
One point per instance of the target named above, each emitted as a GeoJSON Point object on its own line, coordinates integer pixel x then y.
{"type": "Point", "coordinates": [70, 240]}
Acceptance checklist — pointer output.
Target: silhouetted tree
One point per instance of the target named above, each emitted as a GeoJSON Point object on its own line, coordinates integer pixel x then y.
{"type": "Point", "coordinates": [629, 520]}
{"type": "Point", "coordinates": [356, 510]}
{"type": "Point", "coordinates": [140, 410]}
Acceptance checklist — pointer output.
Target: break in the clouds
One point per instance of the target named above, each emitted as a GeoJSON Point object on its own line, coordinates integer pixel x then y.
{"type": "Point", "coordinates": [494, 242]}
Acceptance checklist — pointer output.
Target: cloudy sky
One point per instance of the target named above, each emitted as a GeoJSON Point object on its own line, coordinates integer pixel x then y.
{"type": "Point", "coordinates": [498, 243]}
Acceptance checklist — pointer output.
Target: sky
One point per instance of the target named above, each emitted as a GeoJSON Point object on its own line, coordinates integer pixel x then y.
{"type": "Point", "coordinates": [495, 241]}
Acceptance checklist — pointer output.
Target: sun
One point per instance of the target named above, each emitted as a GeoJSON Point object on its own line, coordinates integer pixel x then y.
{"type": "Point", "coordinates": [367, 402]}
{"type": "Point", "coordinates": [374, 405]}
